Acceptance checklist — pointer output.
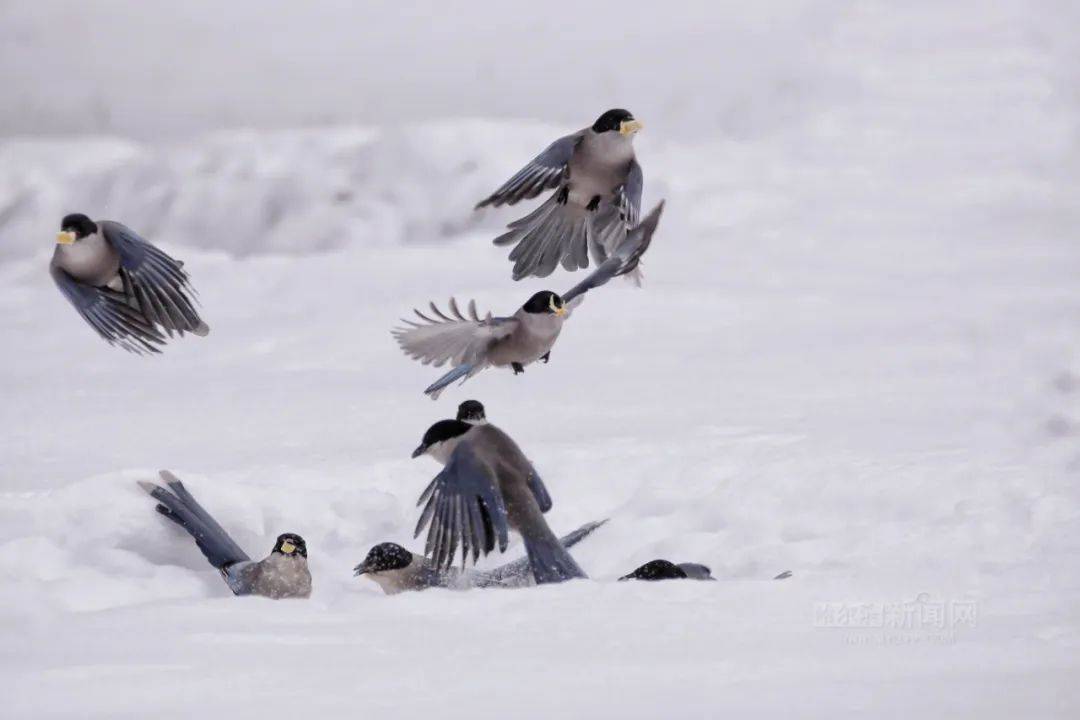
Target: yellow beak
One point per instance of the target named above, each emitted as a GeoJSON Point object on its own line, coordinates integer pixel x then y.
{"type": "Point", "coordinates": [287, 547]}
{"type": "Point", "coordinates": [629, 127]}
{"type": "Point", "coordinates": [65, 237]}
{"type": "Point", "coordinates": [560, 311]}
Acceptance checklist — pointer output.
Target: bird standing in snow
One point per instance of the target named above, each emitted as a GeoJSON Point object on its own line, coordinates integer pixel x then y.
{"type": "Point", "coordinates": [283, 573]}
{"type": "Point", "coordinates": [598, 198]}
{"type": "Point", "coordinates": [473, 344]}
{"type": "Point", "coordinates": [396, 570]}
{"type": "Point", "coordinates": [125, 288]}
{"type": "Point", "coordinates": [486, 488]}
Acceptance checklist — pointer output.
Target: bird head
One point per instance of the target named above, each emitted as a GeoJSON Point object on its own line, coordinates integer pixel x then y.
{"type": "Point", "coordinates": [656, 570]}
{"type": "Point", "coordinates": [617, 120]}
{"type": "Point", "coordinates": [439, 433]}
{"type": "Point", "coordinates": [471, 411]}
{"type": "Point", "coordinates": [547, 302]}
{"type": "Point", "coordinates": [290, 544]}
{"type": "Point", "coordinates": [75, 227]}
{"type": "Point", "coordinates": [384, 557]}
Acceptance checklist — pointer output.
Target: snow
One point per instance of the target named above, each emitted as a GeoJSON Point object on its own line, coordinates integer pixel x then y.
{"type": "Point", "coordinates": [855, 357]}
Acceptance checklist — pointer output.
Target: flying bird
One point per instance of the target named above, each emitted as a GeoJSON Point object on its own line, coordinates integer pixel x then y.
{"type": "Point", "coordinates": [396, 570]}
{"type": "Point", "coordinates": [131, 293]}
{"type": "Point", "coordinates": [472, 343]}
{"type": "Point", "coordinates": [283, 573]}
{"type": "Point", "coordinates": [597, 182]}
{"type": "Point", "coordinates": [486, 488]}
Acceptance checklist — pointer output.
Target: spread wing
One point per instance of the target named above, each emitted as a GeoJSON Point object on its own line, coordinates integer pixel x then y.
{"type": "Point", "coordinates": [463, 506]}
{"type": "Point", "coordinates": [453, 337]}
{"type": "Point", "coordinates": [630, 194]}
{"type": "Point", "coordinates": [110, 314]}
{"type": "Point", "coordinates": [157, 282]}
{"type": "Point", "coordinates": [542, 173]}
{"type": "Point", "coordinates": [623, 260]}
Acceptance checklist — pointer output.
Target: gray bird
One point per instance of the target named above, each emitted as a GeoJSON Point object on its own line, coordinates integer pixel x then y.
{"type": "Point", "coordinates": [472, 344]}
{"type": "Point", "coordinates": [396, 570]}
{"type": "Point", "coordinates": [283, 573]}
{"type": "Point", "coordinates": [472, 411]}
{"type": "Point", "coordinates": [667, 570]}
{"type": "Point", "coordinates": [131, 293]}
{"type": "Point", "coordinates": [487, 488]}
{"type": "Point", "coordinates": [598, 197]}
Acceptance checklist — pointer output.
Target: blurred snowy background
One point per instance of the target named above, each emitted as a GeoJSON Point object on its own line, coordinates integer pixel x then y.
{"type": "Point", "coordinates": [856, 355]}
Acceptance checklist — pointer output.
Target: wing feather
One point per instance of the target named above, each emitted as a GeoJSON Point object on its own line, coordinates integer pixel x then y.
{"type": "Point", "coordinates": [452, 337]}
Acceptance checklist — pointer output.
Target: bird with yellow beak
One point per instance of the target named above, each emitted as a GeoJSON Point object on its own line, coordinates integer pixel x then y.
{"type": "Point", "coordinates": [597, 199]}
{"type": "Point", "coordinates": [472, 343]}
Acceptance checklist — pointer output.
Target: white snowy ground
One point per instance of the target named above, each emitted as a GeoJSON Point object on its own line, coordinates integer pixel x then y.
{"type": "Point", "coordinates": [856, 357]}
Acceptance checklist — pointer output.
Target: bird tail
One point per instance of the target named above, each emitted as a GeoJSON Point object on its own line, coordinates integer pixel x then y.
{"type": "Point", "coordinates": [550, 561]}
{"type": "Point", "coordinates": [181, 507]}
{"type": "Point", "coordinates": [465, 370]}
{"type": "Point", "coordinates": [556, 232]}
{"type": "Point", "coordinates": [517, 572]}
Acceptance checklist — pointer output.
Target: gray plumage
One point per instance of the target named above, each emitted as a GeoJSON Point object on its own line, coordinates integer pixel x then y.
{"type": "Point", "coordinates": [487, 488]}
{"type": "Point", "coordinates": [282, 574]}
{"type": "Point", "coordinates": [598, 184]}
{"type": "Point", "coordinates": [471, 343]}
{"type": "Point", "coordinates": [419, 573]}
{"type": "Point", "coordinates": [130, 292]}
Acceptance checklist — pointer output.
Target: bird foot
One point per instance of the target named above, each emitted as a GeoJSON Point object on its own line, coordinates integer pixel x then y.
{"type": "Point", "coordinates": [518, 367]}
{"type": "Point", "coordinates": [546, 356]}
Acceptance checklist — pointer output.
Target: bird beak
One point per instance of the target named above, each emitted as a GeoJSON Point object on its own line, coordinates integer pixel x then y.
{"type": "Point", "coordinates": [560, 311]}
{"type": "Point", "coordinates": [288, 548]}
{"type": "Point", "coordinates": [629, 127]}
{"type": "Point", "coordinates": [420, 450]}
{"type": "Point", "coordinates": [359, 570]}
{"type": "Point", "coordinates": [65, 237]}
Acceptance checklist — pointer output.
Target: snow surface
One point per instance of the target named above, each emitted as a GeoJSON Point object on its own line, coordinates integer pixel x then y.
{"type": "Point", "coordinates": [856, 357]}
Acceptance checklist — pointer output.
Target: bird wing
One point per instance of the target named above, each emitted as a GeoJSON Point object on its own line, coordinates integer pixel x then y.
{"type": "Point", "coordinates": [623, 260]}
{"type": "Point", "coordinates": [542, 173]}
{"type": "Point", "coordinates": [630, 194]}
{"type": "Point", "coordinates": [453, 337]}
{"type": "Point", "coordinates": [156, 281]}
{"type": "Point", "coordinates": [109, 313]}
{"type": "Point", "coordinates": [463, 505]}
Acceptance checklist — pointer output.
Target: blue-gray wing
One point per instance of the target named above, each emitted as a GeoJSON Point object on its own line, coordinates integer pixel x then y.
{"type": "Point", "coordinates": [630, 197]}
{"type": "Point", "coordinates": [157, 282]}
{"type": "Point", "coordinates": [463, 506]}
{"type": "Point", "coordinates": [623, 260]}
{"type": "Point", "coordinates": [539, 491]}
{"type": "Point", "coordinates": [110, 314]}
{"type": "Point", "coordinates": [544, 172]}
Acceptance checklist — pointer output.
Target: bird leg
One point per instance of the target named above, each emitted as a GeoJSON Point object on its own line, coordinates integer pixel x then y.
{"type": "Point", "coordinates": [546, 356]}
{"type": "Point", "coordinates": [564, 195]}
{"type": "Point", "coordinates": [593, 204]}
{"type": "Point", "coordinates": [518, 368]}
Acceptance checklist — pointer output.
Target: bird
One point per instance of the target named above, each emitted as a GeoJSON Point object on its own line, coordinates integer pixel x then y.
{"type": "Point", "coordinates": [486, 488]}
{"type": "Point", "coordinates": [472, 343]}
{"type": "Point", "coordinates": [396, 570]}
{"type": "Point", "coordinates": [667, 570]}
{"type": "Point", "coordinates": [472, 411]}
{"type": "Point", "coordinates": [283, 573]}
{"type": "Point", "coordinates": [597, 182]}
{"type": "Point", "coordinates": [130, 292]}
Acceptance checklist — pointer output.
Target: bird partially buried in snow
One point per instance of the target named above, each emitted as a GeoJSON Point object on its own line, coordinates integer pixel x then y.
{"type": "Point", "coordinates": [283, 573]}
{"type": "Point", "coordinates": [396, 570]}
{"type": "Point", "coordinates": [597, 198]}
{"type": "Point", "coordinates": [667, 570]}
{"type": "Point", "coordinates": [487, 487]}
{"type": "Point", "coordinates": [472, 343]}
{"type": "Point", "coordinates": [130, 292]}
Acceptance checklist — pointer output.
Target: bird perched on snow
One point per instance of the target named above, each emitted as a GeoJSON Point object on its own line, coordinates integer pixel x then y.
{"type": "Point", "coordinates": [396, 570]}
{"type": "Point", "coordinates": [472, 411]}
{"type": "Point", "coordinates": [666, 570]}
{"type": "Point", "coordinates": [473, 344]}
{"type": "Point", "coordinates": [130, 292]}
{"type": "Point", "coordinates": [486, 488]}
{"type": "Point", "coordinates": [598, 197]}
{"type": "Point", "coordinates": [282, 574]}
